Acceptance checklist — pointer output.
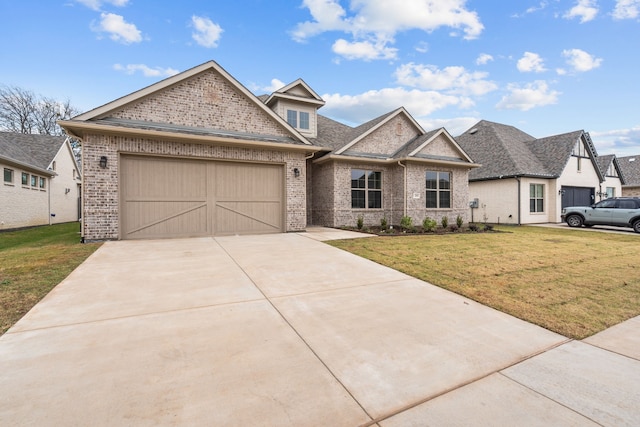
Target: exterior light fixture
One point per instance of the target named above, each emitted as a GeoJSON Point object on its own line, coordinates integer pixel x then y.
{"type": "Point", "coordinates": [296, 172]}
{"type": "Point", "coordinates": [103, 162]}
{"type": "Point", "coordinates": [561, 192]}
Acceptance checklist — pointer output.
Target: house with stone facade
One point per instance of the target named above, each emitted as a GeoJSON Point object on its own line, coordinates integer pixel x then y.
{"type": "Point", "coordinates": [41, 181]}
{"type": "Point", "coordinates": [527, 180]}
{"type": "Point", "coordinates": [198, 154]}
{"type": "Point", "coordinates": [630, 170]}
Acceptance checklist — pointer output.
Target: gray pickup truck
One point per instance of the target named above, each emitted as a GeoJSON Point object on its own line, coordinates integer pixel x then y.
{"type": "Point", "coordinates": [618, 211]}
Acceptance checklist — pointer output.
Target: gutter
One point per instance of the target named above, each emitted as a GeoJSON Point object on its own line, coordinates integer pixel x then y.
{"type": "Point", "coordinates": [519, 198]}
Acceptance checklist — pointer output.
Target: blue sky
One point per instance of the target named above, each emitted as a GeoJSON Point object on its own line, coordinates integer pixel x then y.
{"type": "Point", "coordinates": [546, 67]}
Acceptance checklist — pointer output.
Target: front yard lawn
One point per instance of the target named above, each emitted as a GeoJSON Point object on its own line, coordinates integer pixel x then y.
{"type": "Point", "coordinates": [574, 283]}
{"type": "Point", "coordinates": [32, 262]}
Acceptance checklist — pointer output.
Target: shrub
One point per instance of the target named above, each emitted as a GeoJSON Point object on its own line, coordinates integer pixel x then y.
{"type": "Point", "coordinates": [453, 227]}
{"type": "Point", "coordinates": [473, 227]}
{"type": "Point", "coordinates": [360, 222]}
{"type": "Point", "coordinates": [488, 227]}
{"type": "Point", "coordinates": [429, 224]}
{"type": "Point", "coordinates": [444, 222]}
{"type": "Point", "coordinates": [383, 223]}
{"type": "Point", "coordinates": [406, 222]}
{"type": "Point", "coordinates": [459, 221]}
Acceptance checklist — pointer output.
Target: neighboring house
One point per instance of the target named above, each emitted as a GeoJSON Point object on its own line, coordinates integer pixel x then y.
{"type": "Point", "coordinates": [630, 169]}
{"type": "Point", "coordinates": [198, 154]}
{"type": "Point", "coordinates": [613, 179]}
{"type": "Point", "coordinates": [41, 181]}
{"type": "Point", "coordinates": [527, 180]}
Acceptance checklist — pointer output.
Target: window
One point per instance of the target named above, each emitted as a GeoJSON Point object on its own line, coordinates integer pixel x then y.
{"type": "Point", "coordinates": [611, 170]}
{"type": "Point", "coordinates": [366, 189]}
{"type": "Point", "coordinates": [611, 192]}
{"type": "Point", "coordinates": [42, 182]}
{"type": "Point", "coordinates": [438, 190]}
{"type": "Point", "coordinates": [298, 119]}
{"type": "Point", "coordinates": [579, 149]}
{"type": "Point", "coordinates": [536, 198]}
{"type": "Point", "coordinates": [8, 176]}
{"type": "Point", "coordinates": [34, 181]}
{"type": "Point", "coordinates": [25, 178]}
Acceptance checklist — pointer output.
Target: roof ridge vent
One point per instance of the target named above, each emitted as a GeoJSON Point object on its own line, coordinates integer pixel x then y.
{"type": "Point", "coordinates": [472, 131]}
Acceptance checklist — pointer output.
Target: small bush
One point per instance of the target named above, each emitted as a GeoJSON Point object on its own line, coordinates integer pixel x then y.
{"type": "Point", "coordinates": [383, 223]}
{"type": "Point", "coordinates": [360, 222]}
{"type": "Point", "coordinates": [406, 222]}
{"type": "Point", "coordinates": [488, 227]}
{"type": "Point", "coordinates": [429, 224]}
{"type": "Point", "coordinates": [473, 227]}
{"type": "Point", "coordinates": [459, 221]}
{"type": "Point", "coordinates": [444, 222]}
{"type": "Point", "coordinates": [453, 227]}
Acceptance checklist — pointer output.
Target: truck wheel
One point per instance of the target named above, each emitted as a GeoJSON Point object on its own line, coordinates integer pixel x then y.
{"type": "Point", "coordinates": [574, 221]}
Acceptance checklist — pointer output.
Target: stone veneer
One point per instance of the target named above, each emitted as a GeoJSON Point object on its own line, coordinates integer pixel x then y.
{"type": "Point", "coordinates": [101, 200]}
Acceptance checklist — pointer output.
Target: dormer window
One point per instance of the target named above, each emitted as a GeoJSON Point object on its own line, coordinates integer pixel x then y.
{"type": "Point", "coordinates": [298, 119]}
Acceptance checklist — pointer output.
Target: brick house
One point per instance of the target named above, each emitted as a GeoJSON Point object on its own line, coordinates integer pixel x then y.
{"type": "Point", "coordinates": [198, 154]}
{"type": "Point", "coordinates": [41, 180]}
{"type": "Point", "coordinates": [528, 180]}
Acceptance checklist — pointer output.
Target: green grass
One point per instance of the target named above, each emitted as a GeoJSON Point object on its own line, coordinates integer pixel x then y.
{"type": "Point", "coordinates": [572, 282]}
{"type": "Point", "coordinates": [32, 262]}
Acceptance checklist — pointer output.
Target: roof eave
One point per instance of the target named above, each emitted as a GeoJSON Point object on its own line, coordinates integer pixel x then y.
{"type": "Point", "coordinates": [79, 129]}
{"type": "Point", "coordinates": [17, 163]}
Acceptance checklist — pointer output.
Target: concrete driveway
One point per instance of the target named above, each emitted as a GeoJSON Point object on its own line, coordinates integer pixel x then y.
{"type": "Point", "coordinates": [283, 330]}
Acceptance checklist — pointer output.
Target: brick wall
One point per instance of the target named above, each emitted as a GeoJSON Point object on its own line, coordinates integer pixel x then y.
{"type": "Point", "coordinates": [204, 100]}
{"type": "Point", "coordinates": [332, 194]}
{"type": "Point", "coordinates": [100, 186]}
{"type": "Point", "coordinates": [387, 139]}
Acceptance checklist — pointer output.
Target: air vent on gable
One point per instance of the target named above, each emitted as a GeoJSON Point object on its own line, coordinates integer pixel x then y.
{"type": "Point", "coordinates": [472, 131]}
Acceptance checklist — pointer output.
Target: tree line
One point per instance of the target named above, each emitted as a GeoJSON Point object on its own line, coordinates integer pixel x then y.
{"type": "Point", "coordinates": [23, 111]}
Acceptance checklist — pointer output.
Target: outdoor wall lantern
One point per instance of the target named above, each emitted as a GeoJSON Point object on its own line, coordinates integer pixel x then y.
{"type": "Point", "coordinates": [103, 162]}
{"type": "Point", "coordinates": [561, 192]}
{"type": "Point", "coordinates": [296, 172]}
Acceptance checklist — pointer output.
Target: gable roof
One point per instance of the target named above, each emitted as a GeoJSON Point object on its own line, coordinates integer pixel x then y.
{"type": "Point", "coordinates": [29, 150]}
{"type": "Point", "coordinates": [505, 151]}
{"type": "Point", "coordinates": [365, 129]}
{"type": "Point", "coordinates": [630, 169]}
{"type": "Point", "coordinates": [98, 118]}
{"type": "Point", "coordinates": [288, 92]}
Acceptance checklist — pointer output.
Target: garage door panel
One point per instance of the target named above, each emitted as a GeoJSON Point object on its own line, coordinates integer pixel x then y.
{"type": "Point", "coordinates": [165, 219]}
{"type": "Point", "coordinates": [178, 198]}
{"type": "Point", "coordinates": [248, 217]}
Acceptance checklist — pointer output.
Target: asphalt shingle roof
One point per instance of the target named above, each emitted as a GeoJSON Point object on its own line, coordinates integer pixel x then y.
{"type": "Point", "coordinates": [504, 150]}
{"type": "Point", "coordinates": [33, 150]}
{"type": "Point", "coordinates": [630, 168]}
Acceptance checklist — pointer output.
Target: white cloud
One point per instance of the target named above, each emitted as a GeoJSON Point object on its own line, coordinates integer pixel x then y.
{"type": "Point", "coordinates": [542, 5]}
{"type": "Point", "coordinates": [580, 60]}
{"type": "Point", "coordinates": [357, 109]}
{"type": "Point", "coordinates": [531, 95]}
{"type": "Point", "coordinates": [484, 59]}
{"type": "Point", "coordinates": [454, 80]}
{"type": "Point", "coordinates": [374, 23]}
{"type": "Point", "coordinates": [118, 29]}
{"type": "Point", "coordinates": [621, 142]}
{"type": "Point", "coordinates": [207, 33]}
{"type": "Point", "coordinates": [365, 50]}
{"type": "Point", "coordinates": [626, 9]}
{"type": "Point", "coordinates": [586, 10]}
{"type": "Point", "coordinates": [531, 62]}
{"type": "Point", "coordinates": [146, 70]}
{"type": "Point", "coordinates": [97, 4]}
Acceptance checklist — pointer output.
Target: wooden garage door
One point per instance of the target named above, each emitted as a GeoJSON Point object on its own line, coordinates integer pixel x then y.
{"type": "Point", "coordinates": [163, 198]}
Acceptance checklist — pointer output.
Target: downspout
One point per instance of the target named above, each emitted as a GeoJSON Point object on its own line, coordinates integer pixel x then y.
{"type": "Point", "coordinates": [519, 199]}
{"type": "Point", "coordinates": [49, 196]}
{"type": "Point", "coordinates": [404, 198]}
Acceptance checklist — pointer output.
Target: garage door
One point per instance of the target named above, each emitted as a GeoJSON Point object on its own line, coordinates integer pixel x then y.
{"type": "Point", "coordinates": [163, 198]}
{"type": "Point", "coordinates": [577, 196]}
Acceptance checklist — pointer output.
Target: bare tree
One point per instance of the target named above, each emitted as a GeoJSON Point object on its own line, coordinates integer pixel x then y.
{"type": "Point", "coordinates": [23, 111]}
